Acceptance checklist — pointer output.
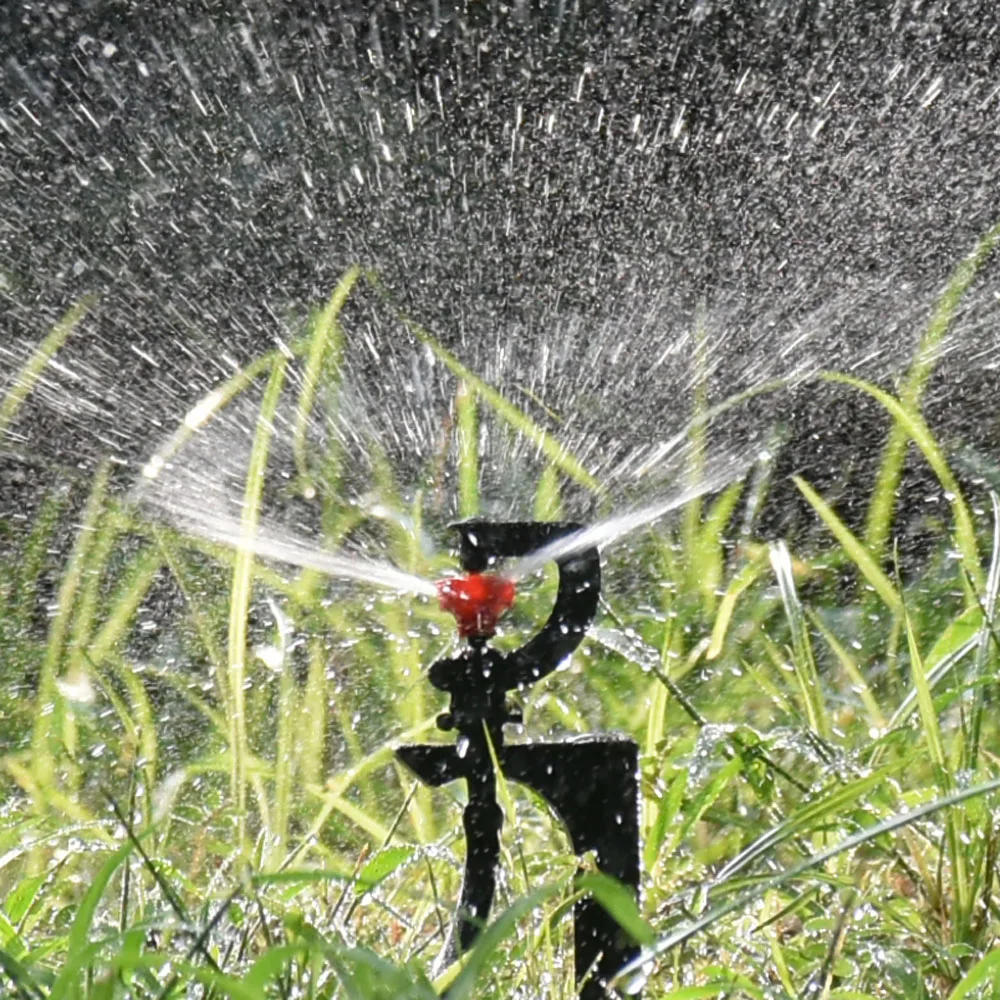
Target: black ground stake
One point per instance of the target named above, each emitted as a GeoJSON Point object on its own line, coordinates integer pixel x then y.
{"type": "Point", "coordinates": [591, 782]}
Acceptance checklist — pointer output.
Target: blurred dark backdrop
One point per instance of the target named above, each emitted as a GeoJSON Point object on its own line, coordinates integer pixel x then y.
{"type": "Point", "coordinates": [210, 169]}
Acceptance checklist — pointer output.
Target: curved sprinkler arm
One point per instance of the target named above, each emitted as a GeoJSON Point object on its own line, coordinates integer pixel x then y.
{"type": "Point", "coordinates": [483, 543]}
{"type": "Point", "coordinates": [601, 813]}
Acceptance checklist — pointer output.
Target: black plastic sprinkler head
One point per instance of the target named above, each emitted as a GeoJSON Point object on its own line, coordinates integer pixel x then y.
{"type": "Point", "coordinates": [591, 782]}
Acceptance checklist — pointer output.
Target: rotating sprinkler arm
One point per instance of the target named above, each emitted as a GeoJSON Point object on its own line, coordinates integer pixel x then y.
{"type": "Point", "coordinates": [574, 610]}
{"type": "Point", "coordinates": [483, 544]}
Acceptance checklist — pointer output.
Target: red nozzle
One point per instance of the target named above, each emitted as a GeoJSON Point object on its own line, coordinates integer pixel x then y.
{"type": "Point", "coordinates": [476, 601]}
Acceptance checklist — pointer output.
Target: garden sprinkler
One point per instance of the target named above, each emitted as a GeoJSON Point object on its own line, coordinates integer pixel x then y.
{"type": "Point", "coordinates": [591, 782]}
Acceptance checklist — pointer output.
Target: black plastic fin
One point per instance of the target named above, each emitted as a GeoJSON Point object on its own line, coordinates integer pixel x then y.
{"type": "Point", "coordinates": [433, 763]}
{"type": "Point", "coordinates": [593, 785]}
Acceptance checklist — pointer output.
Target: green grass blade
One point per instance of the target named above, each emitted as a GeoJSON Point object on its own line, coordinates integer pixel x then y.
{"type": "Point", "coordinates": [852, 670]}
{"type": "Point", "coordinates": [992, 586]}
{"type": "Point", "coordinates": [503, 796]}
{"type": "Point", "coordinates": [856, 551]}
{"type": "Point", "coordinates": [745, 899]}
{"type": "Point", "coordinates": [669, 806]}
{"type": "Point", "coordinates": [803, 660]}
{"type": "Point", "coordinates": [656, 716]}
{"type": "Point", "coordinates": [24, 984]}
{"type": "Point", "coordinates": [548, 497]}
{"type": "Point", "coordinates": [925, 704]}
{"type": "Point", "coordinates": [239, 746]}
{"type": "Point", "coordinates": [67, 984]}
{"type": "Point", "coordinates": [671, 445]}
{"type": "Point", "coordinates": [325, 349]}
{"type": "Point", "coordinates": [464, 985]}
{"type": "Point", "coordinates": [145, 720]}
{"type": "Point", "coordinates": [706, 557]}
{"type": "Point", "coordinates": [383, 864]}
{"type": "Point", "coordinates": [81, 946]}
{"type": "Point", "coordinates": [27, 378]}
{"type": "Point", "coordinates": [882, 507]}
{"type": "Point", "coordinates": [186, 690]}
{"type": "Point", "coordinates": [81, 932]}
{"type": "Point", "coordinates": [108, 532]}
{"type": "Point", "coordinates": [707, 796]}
{"type": "Point", "coordinates": [620, 902]}
{"type": "Point", "coordinates": [697, 442]}
{"type": "Point", "coordinates": [467, 421]}
{"type": "Point", "coordinates": [912, 423]}
{"type": "Point", "coordinates": [987, 969]}
{"type": "Point", "coordinates": [208, 406]}
{"type": "Point", "coordinates": [137, 578]}
{"type": "Point", "coordinates": [741, 582]}
{"type": "Point", "coordinates": [172, 559]}
{"type": "Point", "coordinates": [289, 711]}
{"type": "Point", "coordinates": [215, 983]}
{"type": "Point", "coordinates": [986, 636]}
{"type": "Point", "coordinates": [314, 713]}
{"type": "Point", "coordinates": [270, 966]}
{"type": "Point", "coordinates": [556, 453]}
{"type": "Point", "coordinates": [820, 810]}
{"type": "Point", "coordinates": [332, 794]}
{"type": "Point", "coordinates": [44, 738]}
{"type": "Point", "coordinates": [218, 399]}
{"type": "Point", "coordinates": [721, 989]}
{"type": "Point", "coordinates": [935, 675]}
{"type": "Point", "coordinates": [932, 735]}
{"type": "Point", "coordinates": [32, 561]}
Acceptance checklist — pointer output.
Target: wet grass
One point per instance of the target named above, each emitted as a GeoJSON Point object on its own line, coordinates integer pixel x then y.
{"type": "Point", "coordinates": [219, 814]}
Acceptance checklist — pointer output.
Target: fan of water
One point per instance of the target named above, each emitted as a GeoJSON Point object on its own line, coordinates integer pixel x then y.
{"type": "Point", "coordinates": [166, 499]}
{"type": "Point", "coordinates": [270, 543]}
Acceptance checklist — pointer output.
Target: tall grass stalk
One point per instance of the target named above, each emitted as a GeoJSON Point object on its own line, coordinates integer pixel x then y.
{"type": "Point", "coordinates": [803, 660]}
{"type": "Point", "coordinates": [51, 717]}
{"type": "Point", "coordinates": [239, 604]}
{"type": "Point", "coordinates": [467, 423]}
{"type": "Point", "coordinates": [855, 550]}
{"type": "Point", "coordinates": [988, 641]}
{"type": "Point", "coordinates": [935, 745]}
{"type": "Point", "coordinates": [322, 367]}
{"type": "Point", "coordinates": [881, 509]}
{"type": "Point", "coordinates": [912, 424]}
{"type": "Point", "coordinates": [515, 417]}
{"type": "Point", "coordinates": [27, 378]}
{"type": "Point", "coordinates": [697, 443]}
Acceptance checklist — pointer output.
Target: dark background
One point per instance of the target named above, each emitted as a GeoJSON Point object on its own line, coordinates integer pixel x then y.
{"type": "Point", "coordinates": [513, 171]}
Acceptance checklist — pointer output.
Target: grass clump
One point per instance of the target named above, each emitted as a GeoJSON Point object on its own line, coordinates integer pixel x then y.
{"type": "Point", "coordinates": [818, 765]}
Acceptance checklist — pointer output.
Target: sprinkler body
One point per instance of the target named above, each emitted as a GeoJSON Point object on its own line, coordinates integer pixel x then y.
{"type": "Point", "coordinates": [591, 782]}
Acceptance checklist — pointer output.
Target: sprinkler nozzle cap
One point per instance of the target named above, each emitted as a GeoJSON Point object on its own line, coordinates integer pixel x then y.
{"type": "Point", "coordinates": [476, 601]}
